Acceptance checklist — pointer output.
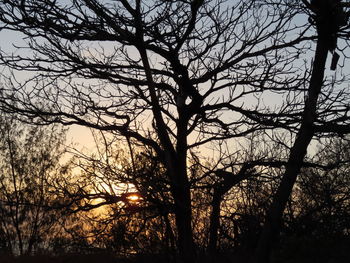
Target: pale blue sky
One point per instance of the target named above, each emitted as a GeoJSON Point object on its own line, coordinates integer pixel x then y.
{"type": "Point", "coordinates": [76, 134]}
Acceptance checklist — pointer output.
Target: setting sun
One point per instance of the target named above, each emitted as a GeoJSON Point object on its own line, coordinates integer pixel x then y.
{"type": "Point", "coordinates": [133, 197]}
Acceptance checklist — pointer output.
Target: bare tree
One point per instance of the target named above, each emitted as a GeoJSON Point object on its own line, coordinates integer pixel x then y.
{"type": "Point", "coordinates": [325, 110]}
{"type": "Point", "coordinates": [170, 75]}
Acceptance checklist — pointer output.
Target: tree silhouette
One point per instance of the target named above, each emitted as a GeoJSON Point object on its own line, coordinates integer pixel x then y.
{"type": "Point", "coordinates": [29, 160]}
{"type": "Point", "coordinates": [331, 21]}
{"type": "Point", "coordinates": [175, 76]}
{"type": "Point", "coordinates": [171, 75]}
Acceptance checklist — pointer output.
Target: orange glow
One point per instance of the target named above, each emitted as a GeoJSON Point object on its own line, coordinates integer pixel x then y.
{"type": "Point", "coordinates": [133, 197]}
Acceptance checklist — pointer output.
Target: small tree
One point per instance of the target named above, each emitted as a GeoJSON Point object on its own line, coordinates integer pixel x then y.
{"type": "Point", "coordinates": [323, 197]}
{"type": "Point", "coordinates": [29, 159]}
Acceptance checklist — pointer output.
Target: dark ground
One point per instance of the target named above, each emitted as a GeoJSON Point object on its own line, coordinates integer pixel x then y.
{"type": "Point", "coordinates": [294, 251]}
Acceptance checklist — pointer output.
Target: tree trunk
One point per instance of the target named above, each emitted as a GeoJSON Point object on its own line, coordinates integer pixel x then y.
{"type": "Point", "coordinates": [185, 237]}
{"type": "Point", "coordinates": [180, 188]}
{"type": "Point", "coordinates": [214, 224]}
{"type": "Point", "coordinates": [183, 217]}
{"type": "Point", "coordinates": [230, 180]}
{"type": "Point", "coordinates": [272, 225]}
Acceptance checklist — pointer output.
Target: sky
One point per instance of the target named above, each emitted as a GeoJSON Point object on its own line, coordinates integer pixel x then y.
{"type": "Point", "coordinates": [77, 135]}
